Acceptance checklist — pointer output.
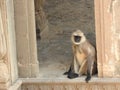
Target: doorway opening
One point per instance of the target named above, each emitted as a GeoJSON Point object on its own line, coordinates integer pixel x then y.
{"type": "Point", "coordinates": [58, 20]}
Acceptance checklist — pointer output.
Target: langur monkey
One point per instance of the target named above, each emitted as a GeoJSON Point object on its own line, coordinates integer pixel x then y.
{"type": "Point", "coordinates": [84, 62]}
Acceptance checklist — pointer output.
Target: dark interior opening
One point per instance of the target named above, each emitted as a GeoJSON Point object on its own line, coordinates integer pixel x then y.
{"type": "Point", "coordinates": [55, 22]}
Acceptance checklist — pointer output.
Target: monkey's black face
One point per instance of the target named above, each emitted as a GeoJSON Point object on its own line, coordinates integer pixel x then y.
{"type": "Point", "coordinates": [77, 38]}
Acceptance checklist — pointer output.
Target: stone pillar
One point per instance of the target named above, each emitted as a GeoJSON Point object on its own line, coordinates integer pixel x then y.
{"type": "Point", "coordinates": [115, 32]}
{"type": "Point", "coordinates": [103, 26]}
{"type": "Point", "coordinates": [12, 40]}
{"type": "Point", "coordinates": [32, 39]}
{"type": "Point", "coordinates": [28, 65]}
{"type": "Point", "coordinates": [107, 18]}
{"type": "Point", "coordinates": [4, 56]}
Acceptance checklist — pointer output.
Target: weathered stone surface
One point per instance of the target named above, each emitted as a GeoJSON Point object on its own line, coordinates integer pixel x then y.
{"type": "Point", "coordinates": [116, 37]}
{"type": "Point", "coordinates": [4, 62]}
{"type": "Point", "coordinates": [4, 74]}
{"type": "Point", "coordinates": [74, 84]}
{"type": "Point", "coordinates": [3, 47]}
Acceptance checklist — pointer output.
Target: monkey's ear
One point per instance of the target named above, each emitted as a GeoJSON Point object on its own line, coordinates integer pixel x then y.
{"type": "Point", "coordinates": [85, 34]}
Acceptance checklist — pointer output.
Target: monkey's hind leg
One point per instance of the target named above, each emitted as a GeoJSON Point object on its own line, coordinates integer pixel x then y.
{"type": "Point", "coordinates": [74, 70]}
{"type": "Point", "coordinates": [89, 68]}
{"type": "Point", "coordinates": [71, 73]}
{"type": "Point", "coordinates": [83, 68]}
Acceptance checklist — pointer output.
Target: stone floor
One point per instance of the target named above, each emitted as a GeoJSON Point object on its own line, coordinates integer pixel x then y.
{"type": "Point", "coordinates": [64, 16]}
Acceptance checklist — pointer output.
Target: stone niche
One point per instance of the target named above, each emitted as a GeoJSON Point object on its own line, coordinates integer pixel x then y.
{"type": "Point", "coordinates": [107, 36]}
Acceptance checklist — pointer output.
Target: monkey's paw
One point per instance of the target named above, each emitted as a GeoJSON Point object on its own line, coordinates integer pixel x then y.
{"type": "Point", "coordinates": [87, 79]}
{"type": "Point", "coordinates": [72, 75]}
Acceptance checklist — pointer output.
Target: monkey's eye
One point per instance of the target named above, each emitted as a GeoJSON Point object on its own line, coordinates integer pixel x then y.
{"type": "Point", "coordinates": [77, 38]}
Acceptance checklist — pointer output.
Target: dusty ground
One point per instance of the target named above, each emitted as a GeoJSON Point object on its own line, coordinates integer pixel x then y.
{"type": "Point", "coordinates": [64, 17]}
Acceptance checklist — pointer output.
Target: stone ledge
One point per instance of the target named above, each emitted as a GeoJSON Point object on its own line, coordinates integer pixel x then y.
{"type": "Point", "coordinates": [65, 80]}
{"type": "Point", "coordinates": [16, 85]}
{"type": "Point", "coordinates": [74, 84]}
{"type": "Point", "coordinates": [65, 83]}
